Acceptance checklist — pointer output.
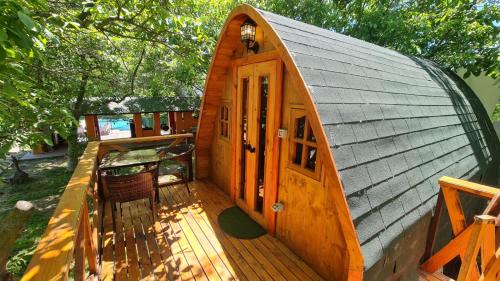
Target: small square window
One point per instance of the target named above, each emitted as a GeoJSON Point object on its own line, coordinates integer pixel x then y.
{"type": "Point", "coordinates": [303, 146]}
{"type": "Point", "coordinates": [224, 121]}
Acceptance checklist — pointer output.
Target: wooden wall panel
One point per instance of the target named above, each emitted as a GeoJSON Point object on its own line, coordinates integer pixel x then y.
{"type": "Point", "coordinates": [316, 223]}
{"type": "Point", "coordinates": [309, 223]}
{"type": "Point", "coordinates": [220, 154]}
{"type": "Point", "coordinates": [184, 122]}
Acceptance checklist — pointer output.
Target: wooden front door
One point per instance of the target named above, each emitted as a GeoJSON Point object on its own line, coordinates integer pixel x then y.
{"type": "Point", "coordinates": [258, 116]}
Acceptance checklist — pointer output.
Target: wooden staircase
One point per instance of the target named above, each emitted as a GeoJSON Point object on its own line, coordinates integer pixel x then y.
{"type": "Point", "coordinates": [480, 238]}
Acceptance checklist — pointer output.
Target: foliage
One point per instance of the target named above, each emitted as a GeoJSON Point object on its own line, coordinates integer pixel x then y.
{"type": "Point", "coordinates": [24, 114]}
{"type": "Point", "coordinates": [49, 177]}
{"type": "Point", "coordinates": [454, 33]}
{"type": "Point", "coordinates": [56, 54]}
{"type": "Point", "coordinates": [99, 51]}
{"type": "Point", "coordinates": [496, 113]}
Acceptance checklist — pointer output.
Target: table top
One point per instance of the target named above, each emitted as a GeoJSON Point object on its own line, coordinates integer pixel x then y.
{"type": "Point", "coordinates": [138, 157]}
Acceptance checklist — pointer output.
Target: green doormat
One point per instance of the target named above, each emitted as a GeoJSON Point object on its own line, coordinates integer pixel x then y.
{"type": "Point", "coordinates": [239, 225]}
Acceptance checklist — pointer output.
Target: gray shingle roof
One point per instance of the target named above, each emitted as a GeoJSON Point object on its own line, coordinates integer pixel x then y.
{"type": "Point", "coordinates": [395, 125]}
{"type": "Point", "coordinates": [136, 105]}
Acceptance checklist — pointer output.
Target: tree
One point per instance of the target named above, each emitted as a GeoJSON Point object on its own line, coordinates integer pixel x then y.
{"type": "Point", "coordinates": [106, 51]}
{"type": "Point", "coordinates": [24, 117]}
{"type": "Point", "coordinates": [454, 33]}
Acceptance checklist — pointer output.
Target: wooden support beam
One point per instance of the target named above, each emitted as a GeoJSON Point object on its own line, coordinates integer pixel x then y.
{"type": "Point", "coordinates": [492, 269]}
{"type": "Point", "coordinates": [137, 125]}
{"type": "Point", "coordinates": [171, 121]}
{"type": "Point", "coordinates": [469, 187]}
{"type": "Point", "coordinates": [475, 241]}
{"type": "Point", "coordinates": [448, 252]}
{"type": "Point", "coordinates": [156, 124]}
{"type": "Point", "coordinates": [455, 210]}
{"type": "Point", "coordinates": [89, 245]}
{"type": "Point", "coordinates": [431, 235]}
{"type": "Point", "coordinates": [92, 126]}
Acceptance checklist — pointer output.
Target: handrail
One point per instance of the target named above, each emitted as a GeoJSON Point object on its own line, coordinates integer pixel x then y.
{"type": "Point", "coordinates": [70, 235]}
{"type": "Point", "coordinates": [469, 187]}
{"type": "Point", "coordinates": [469, 240]}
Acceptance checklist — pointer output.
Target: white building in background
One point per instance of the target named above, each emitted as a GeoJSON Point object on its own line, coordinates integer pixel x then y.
{"type": "Point", "coordinates": [488, 91]}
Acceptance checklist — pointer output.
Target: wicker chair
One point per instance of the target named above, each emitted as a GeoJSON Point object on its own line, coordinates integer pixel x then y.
{"type": "Point", "coordinates": [126, 188]}
{"type": "Point", "coordinates": [177, 173]}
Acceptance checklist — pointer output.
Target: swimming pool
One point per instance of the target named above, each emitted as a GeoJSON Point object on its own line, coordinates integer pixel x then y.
{"type": "Point", "coordinates": [121, 124]}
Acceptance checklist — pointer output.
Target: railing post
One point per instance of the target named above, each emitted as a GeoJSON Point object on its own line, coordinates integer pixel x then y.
{"type": "Point", "coordinates": [476, 239]}
{"type": "Point", "coordinates": [80, 250]}
{"type": "Point", "coordinates": [89, 245]}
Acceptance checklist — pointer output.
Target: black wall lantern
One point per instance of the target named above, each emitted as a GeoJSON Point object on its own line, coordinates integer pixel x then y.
{"type": "Point", "coordinates": [247, 35]}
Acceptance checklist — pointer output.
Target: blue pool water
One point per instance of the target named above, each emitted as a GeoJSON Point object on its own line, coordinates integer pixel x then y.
{"type": "Point", "coordinates": [116, 124]}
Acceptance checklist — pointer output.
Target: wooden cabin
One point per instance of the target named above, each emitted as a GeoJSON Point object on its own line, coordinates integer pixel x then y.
{"type": "Point", "coordinates": [343, 151]}
{"type": "Point", "coordinates": [335, 145]}
{"type": "Point", "coordinates": [181, 119]}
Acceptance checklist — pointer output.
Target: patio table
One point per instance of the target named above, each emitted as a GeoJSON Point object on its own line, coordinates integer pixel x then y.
{"type": "Point", "coordinates": [140, 157]}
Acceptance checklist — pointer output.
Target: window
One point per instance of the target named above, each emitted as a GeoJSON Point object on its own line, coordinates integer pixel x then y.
{"type": "Point", "coordinates": [303, 146]}
{"type": "Point", "coordinates": [224, 121]}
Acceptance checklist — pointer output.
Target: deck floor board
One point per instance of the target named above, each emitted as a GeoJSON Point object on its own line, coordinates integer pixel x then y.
{"type": "Point", "coordinates": [186, 242]}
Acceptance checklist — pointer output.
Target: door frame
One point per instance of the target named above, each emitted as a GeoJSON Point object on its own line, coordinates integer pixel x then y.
{"type": "Point", "coordinates": [271, 169]}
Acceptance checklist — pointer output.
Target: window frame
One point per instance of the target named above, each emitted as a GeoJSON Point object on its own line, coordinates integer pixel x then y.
{"type": "Point", "coordinates": [225, 121]}
{"type": "Point", "coordinates": [295, 114]}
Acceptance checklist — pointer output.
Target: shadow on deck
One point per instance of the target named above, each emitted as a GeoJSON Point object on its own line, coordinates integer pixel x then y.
{"type": "Point", "coordinates": [186, 243]}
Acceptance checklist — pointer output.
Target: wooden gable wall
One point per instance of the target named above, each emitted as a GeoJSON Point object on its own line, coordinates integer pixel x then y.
{"type": "Point", "coordinates": [316, 222]}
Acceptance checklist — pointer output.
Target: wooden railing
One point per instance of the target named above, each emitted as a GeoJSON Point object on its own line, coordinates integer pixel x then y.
{"type": "Point", "coordinates": [71, 235]}
{"type": "Point", "coordinates": [478, 238]}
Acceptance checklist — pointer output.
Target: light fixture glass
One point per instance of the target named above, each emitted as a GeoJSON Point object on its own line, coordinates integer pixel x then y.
{"type": "Point", "coordinates": [247, 35]}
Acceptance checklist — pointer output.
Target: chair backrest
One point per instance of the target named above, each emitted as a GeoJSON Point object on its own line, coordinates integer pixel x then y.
{"type": "Point", "coordinates": [124, 188]}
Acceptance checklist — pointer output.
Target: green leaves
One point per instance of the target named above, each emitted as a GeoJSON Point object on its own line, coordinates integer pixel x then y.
{"type": "Point", "coordinates": [26, 20]}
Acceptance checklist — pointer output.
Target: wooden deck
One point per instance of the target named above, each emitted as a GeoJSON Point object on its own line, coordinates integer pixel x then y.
{"type": "Point", "coordinates": [186, 243]}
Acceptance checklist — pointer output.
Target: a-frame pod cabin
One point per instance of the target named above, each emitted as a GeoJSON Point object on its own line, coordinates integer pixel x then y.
{"type": "Point", "coordinates": [350, 137]}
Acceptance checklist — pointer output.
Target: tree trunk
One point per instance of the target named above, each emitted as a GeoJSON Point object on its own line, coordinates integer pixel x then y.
{"type": "Point", "coordinates": [72, 153]}
{"type": "Point", "coordinates": [72, 139]}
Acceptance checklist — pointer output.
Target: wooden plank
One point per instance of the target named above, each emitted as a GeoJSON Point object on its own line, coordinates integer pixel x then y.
{"type": "Point", "coordinates": [138, 125]}
{"type": "Point", "coordinates": [120, 256]}
{"type": "Point", "coordinates": [92, 130]}
{"type": "Point", "coordinates": [431, 235]}
{"type": "Point", "coordinates": [89, 245]}
{"type": "Point", "coordinates": [455, 211]}
{"type": "Point", "coordinates": [153, 249]}
{"type": "Point", "coordinates": [156, 124]}
{"type": "Point", "coordinates": [469, 187]}
{"type": "Point", "coordinates": [55, 249]}
{"type": "Point", "coordinates": [448, 252]}
{"type": "Point", "coordinates": [79, 269]}
{"type": "Point", "coordinates": [256, 260]}
{"type": "Point", "coordinates": [260, 57]}
{"type": "Point", "coordinates": [130, 242]}
{"type": "Point", "coordinates": [140, 241]}
{"type": "Point", "coordinates": [225, 247]}
{"type": "Point", "coordinates": [144, 139]}
{"type": "Point", "coordinates": [492, 270]}
{"type": "Point", "coordinates": [107, 260]}
{"type": "Point", "coordinates": [204, 261]}
{"type": "Point", "coordinates": [221, 269]}
{"type": "Point", "coordinates": [191, 259]}
{"type": "Point", "coordinates": [221, 203]}
{"type": "Point", "coordinates": [247, 256]}
{"type": "Point", "coordinates": [469, 263]}
{"type": "Point", "coordinates": [179, 260]}
{"type": "Point", "coordinates": [302, 269]}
